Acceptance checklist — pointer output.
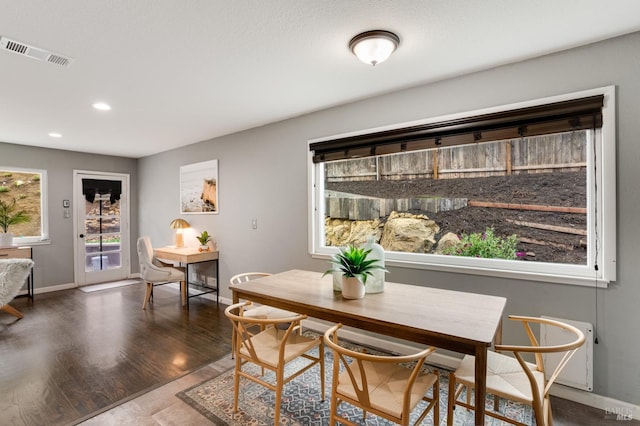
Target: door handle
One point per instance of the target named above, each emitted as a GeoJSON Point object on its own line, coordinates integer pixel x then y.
{"type": "Point", "coordinates": [81, 235]}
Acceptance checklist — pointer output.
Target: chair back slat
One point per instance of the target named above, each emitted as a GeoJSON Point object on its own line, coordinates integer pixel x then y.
{"type": "Point", "coordinates": [534, 343]}
{"type": "Point", "coordinates": [565, 359]}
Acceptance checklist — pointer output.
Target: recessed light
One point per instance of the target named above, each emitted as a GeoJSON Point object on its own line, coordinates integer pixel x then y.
{"type": "Point", "coordinates": [102, 106]}
{"type": "Point", "coordinates": [55, 135]}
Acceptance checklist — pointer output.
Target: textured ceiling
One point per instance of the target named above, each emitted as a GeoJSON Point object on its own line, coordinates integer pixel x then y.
{"type": "Point", "coordinates": [179, 72]}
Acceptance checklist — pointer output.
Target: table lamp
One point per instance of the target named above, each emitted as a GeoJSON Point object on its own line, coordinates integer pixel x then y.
{"type": "Point", "coordinates": [179, 225]}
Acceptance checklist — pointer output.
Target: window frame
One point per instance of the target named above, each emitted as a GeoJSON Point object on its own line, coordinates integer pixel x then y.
{"type": "Point", "coordinates": [43, 238]}
{"type": "Point", "coordinates": [601, 205]}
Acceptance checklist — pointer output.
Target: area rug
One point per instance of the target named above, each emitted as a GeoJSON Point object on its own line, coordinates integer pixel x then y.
{"type": "Point", "coordinates": [302, 405]}
{"type": "Point", "coordinates": [105, 286]}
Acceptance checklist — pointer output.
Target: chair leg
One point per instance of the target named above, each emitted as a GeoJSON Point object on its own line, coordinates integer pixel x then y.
{"type": "Point", "coordinates": [147, 295]}
{"type": "Point", "coordinates": [279, 386]}
{"type": "Point", "coordinates": [236, 384]}
{"type": "Point", "coordinates": [322, 375]}
{"type": "Point", "coordinates": [11, 310]}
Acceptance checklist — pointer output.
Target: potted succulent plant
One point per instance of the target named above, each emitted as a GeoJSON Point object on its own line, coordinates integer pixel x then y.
{"type": "Point", "coordinates": [354, 266]}
{"type": "Point", "coordinates": [10, 215]}
{"type": "Point", "coordinates": [204, 238]}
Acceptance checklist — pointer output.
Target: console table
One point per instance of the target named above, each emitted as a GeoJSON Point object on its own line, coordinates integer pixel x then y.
{"type": "Point", "coordinates": [186, 256]}
{"type": "Point", "coordinates": [20, 253]}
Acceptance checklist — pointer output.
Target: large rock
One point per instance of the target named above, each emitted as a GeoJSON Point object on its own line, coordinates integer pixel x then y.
{"type": "Point", "coordinates": [408, 232]}
{"type": "Point", "coordinates": [448, 240]}
{"type": "Point", "coordinates": [342, 232]}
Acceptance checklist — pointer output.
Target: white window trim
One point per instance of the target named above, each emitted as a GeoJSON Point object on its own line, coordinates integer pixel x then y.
{"type": "Point", "coordinates": [44, 207]}
{"type": "Point", "coordinates": [585, 275]}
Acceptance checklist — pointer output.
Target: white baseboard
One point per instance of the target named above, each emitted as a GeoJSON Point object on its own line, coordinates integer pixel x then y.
{"type": "Point", "coordinates": [49, 289]}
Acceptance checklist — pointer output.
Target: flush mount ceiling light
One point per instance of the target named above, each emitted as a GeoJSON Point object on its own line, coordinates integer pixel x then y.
{"type": "Point", "coordinates": [374, 47]}
{"type": "Point", "coordinates": [55, 135]}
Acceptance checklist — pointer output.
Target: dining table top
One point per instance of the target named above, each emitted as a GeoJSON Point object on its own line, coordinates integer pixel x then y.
{"type": "Point", "coordinates": [448, 319]}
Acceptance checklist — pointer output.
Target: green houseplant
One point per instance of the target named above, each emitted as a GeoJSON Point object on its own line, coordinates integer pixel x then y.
{"type": "Point", "coordinates": [204, 238]}
{"type": "Point", "coordinates": [10, 215]}
{"type": "Point", "coordinates": [355, 267]}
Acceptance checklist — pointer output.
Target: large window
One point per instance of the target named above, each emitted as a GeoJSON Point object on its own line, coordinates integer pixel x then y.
{"type": "Point", "coordinates": [524, 191]}
{"type": "Point", "coordinates": [27, 187]}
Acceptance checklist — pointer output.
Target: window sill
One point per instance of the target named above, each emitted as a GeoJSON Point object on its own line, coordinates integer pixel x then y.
{"type": "Point", "coordinates": [511, 274]}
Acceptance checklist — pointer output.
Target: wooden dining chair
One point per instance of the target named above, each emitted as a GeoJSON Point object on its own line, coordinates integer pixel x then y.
{"type": "Point", "coordinates": [271, 348]}
{"type": "Point", "coordinates": [514, 378]}
{"type": "Point", "coordinates": [260, 311]}
{"type": "Point", "coordinates": [256, 310]}
{"type": "Point", "coordinates": [380, 385]}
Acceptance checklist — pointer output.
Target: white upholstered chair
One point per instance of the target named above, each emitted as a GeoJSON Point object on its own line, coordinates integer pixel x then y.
{"type": "Point", "coordinates": [153, 273]}
{"type": "Point", "coordinates": [379, 384]}
{"type": "Point", "coordinates": [271, 347]}
{"type": "Point", "coordinates": [13, 273]}
{"type": "Point", "coordinates": [512, 377]}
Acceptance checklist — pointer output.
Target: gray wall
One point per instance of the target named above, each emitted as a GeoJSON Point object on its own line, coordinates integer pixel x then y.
{"type": "Point", "coordinates": [263, 174]}
{"type": "Point", "coordinates": [54, 262]}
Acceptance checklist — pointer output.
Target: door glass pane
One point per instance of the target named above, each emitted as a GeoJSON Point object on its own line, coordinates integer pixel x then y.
{"type": "Point", "coordinates": [102, 233]}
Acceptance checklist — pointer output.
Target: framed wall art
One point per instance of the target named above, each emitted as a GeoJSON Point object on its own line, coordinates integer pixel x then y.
{"type": "Point", "coordinates": [199, 188]}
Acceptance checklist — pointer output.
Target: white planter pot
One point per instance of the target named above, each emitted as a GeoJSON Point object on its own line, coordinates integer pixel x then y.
{"type": "Point", "coordinates": [352, 288]}
{"type": "Point", "coordinates": [6, 239]}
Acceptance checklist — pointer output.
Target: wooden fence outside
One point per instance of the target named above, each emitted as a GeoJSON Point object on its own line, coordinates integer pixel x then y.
{"type": "Point", "coordinates": [540, 154]}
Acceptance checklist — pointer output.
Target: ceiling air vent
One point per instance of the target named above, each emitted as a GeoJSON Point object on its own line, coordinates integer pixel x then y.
{"type": "Point", "coordinates": [33, 52]}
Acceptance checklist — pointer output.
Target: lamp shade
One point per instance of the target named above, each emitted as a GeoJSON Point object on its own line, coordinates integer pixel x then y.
{"type": "Point", "coordinates": [179, 224]}
{"type": "Point", "coordinates": [374, 47]}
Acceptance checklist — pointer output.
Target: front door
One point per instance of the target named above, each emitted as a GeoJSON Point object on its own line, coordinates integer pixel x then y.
{"type": "Point", "coordinates": [102, 227]}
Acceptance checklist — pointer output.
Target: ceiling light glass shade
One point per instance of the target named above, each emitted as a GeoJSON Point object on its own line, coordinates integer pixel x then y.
{"type": "Point", "coordinates": [102, 106]}
{"type": "Point", "coordinates": [374, 47]}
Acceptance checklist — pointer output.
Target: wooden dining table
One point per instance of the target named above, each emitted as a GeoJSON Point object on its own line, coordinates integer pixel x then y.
{"type": "Point", "coordinates": [462, 322]}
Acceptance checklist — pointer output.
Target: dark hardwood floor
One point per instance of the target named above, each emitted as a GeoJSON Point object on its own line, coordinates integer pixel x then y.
{"type": "Point", "coordinates": [77, 353]}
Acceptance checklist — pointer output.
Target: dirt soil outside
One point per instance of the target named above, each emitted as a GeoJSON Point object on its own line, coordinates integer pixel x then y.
{"type": "Point", "coordinates": [566, 189]}
{"type": "Point", "coordinates": [25, 188]}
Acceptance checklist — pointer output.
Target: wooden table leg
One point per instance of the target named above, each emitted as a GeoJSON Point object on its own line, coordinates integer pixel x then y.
{"type": "Point", "coordinates": [497, 339]}
{"type": "Point", "coordinates": [481, 383]}
{"type": "Point", "coordinates": [183, 292]}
